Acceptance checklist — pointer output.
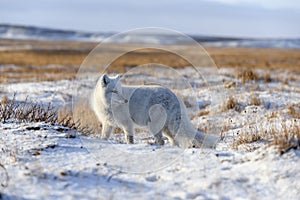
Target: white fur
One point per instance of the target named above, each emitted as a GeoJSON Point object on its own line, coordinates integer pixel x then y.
{"type": "Point", "coordinates": [154, 107]}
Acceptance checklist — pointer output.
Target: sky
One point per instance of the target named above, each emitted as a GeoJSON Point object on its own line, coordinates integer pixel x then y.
{"type": "Point", "coordinates": [231, 18]}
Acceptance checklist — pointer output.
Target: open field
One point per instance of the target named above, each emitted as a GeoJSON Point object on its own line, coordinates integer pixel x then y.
{"type": "Point", "coordinates": [49, 135]}
{"type": "Point", "coordinates": [34, 57]}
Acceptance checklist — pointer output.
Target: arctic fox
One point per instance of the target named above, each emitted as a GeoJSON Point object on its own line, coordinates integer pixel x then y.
{"type": "Point", "coordinates": [154, 107]}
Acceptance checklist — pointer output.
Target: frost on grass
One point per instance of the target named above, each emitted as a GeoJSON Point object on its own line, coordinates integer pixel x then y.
{"type": "Point", "coordinates": [30, 111]}
{"type": "Point", "coordinates": [257, 157]}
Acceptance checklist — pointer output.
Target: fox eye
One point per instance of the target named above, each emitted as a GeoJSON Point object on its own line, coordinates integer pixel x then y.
{"type": "Point", "coordinates": [115, 91]}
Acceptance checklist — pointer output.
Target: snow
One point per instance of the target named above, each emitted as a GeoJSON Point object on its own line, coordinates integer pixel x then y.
{"type": "Point", "coordinates": [43, 162]}
{"type": "Point", "coordinates": [156, 37]}
{"type": "Point", "coordinates": [66, 170]}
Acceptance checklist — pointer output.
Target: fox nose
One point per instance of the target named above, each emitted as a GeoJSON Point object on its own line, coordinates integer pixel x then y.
{"type": "Point", "coordinates": [126, 101]}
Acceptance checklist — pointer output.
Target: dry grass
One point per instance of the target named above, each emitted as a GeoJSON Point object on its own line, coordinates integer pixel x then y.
{"type": "Point", "coordinates": [246, 138]}
{"type": "Point", "coordinates": [255, 100]}
{"type": "Point", "coordinates": [267, 77]}
{"type": "Point", "coordinates": [254, 58]}
{"type": "Point", "coordinates": [14, 74]}
{"type": "Point", "coordinates": [294, 111]}
{"type": "Point", "coordinates": [232, 104]}
{"type": "Point", "coordinates": [82, 118]}
{"type": "Point", "coordinates": [68, 56]}
{"type": "Point", "coordinates": [288, 138]}
{"type": "Point", "coordinates": [202, 112]}
{"type": "Point", "coordinates": [251, 75]}
{"type": "Point", "coordinates": [26, 111]}
{"type": "Point", "coordinates": [248, 75]}
{"type": "Point", "coordinates": [284, 137]}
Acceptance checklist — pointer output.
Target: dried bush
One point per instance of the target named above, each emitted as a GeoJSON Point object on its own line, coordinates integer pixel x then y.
{"type": "Point", "coordinates": [6, 108]}
{"type": "Point", "coordinates": [294, 111]}
{"type": "Point", "coordinates": [267, 78]}
{"type": "Point", "coordinates": [26, 111]}
{"type": "Point", "coordinates": [255, 100]}
{"type": "Point", "coordinates": [248, 75]}
{"type": "Point", "coordinates": [288, 139]}
{"type": "Point", "coordinates": [285, 138]}
{"type": "Point", "coordinates": [232, 103]}
{"type": "Point", "coordinates": [246, 138]}
{"type": "Point", "coordinates": [83, 119]}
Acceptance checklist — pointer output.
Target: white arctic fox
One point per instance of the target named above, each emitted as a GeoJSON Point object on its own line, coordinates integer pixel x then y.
{"type": "Point", "coordinates": [154, 107]}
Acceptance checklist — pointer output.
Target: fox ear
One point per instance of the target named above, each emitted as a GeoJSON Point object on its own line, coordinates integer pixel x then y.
{"type": "Point", "coordinates": [105, 80]}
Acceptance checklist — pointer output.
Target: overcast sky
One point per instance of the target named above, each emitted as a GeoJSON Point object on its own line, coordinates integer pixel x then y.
{"type": "Point", "coordinates": [243, 18]}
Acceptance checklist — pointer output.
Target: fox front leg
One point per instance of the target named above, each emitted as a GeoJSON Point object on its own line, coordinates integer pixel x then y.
{"type": "Point", "coordinates": [106, 131]}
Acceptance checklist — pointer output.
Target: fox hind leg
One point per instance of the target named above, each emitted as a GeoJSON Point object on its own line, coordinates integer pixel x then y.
{"type": "Point", "coordinates": [129, 139]}
{"type": "Point", "coordinates": [129, 135]}
{"type": "Point", "coordinates": [159, 138]}
{"type": "Point", "coordinates": [168, 134]}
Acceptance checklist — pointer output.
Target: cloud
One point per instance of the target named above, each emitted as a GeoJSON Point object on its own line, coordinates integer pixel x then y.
{"type": "Point", "coordinates": [268, 4]}
{"type": "Point", "coordinates": [239, 18]}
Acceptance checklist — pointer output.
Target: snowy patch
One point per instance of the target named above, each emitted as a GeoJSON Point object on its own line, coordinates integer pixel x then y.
{"type": "Point", "coordinates": [49, 161]}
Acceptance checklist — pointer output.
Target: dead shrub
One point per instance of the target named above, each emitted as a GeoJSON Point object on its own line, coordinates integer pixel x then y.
{"type": "Point", "coordinates": [248, 75]}
{"type": "Point", "coordinates": [81, 118]}
{"type": "Point", "coordinates": [294, 111]}
{"type": "Point", "coordinates": [26, 111]}
{"type": "Point", "coordinates": [284, 138]}
{"type": "Point", "coordinates": [246, 138]}
{"type": "Point", "coordinates": [288, 139]}
{"type": "Point", "coordinates": [267, 78]}
{"type": "Point", "coordinates": [255, 100]}
{"type": "Point", "coordinates": [232, 103]}
{"type": "Point", "coordinates": [201, 113]}
{"type": "Point", "coordinates": [6, 108]}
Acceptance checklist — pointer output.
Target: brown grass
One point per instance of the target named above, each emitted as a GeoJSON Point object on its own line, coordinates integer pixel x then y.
{"type": "Point", "coordinates": [201, 113]}
{"type": "Point", "coordinates": [267, 77]}
{"type": "Point", "coordinates": [248, 75]}
{"type": "Point", "coordinates": [294, 111]}
{"type": "Point", "coordinates": [246, 138]}
{"type": "Point", "coordinates": [81, 118]}
{"type": "Point", "coordinates": [26, 111]}
{"type": "Point", "coordinates": [288, 139]}
{"type": "Point", "coordinates": [232, 103]}
{"type": "Point", "coordinates": [285, 138]}
{"type": "Point", "coordinates": [34, 73]}
{"type": "Point", "coordinates": [68, 56]}
{"type": "Point", "coordinates": [253, 58]}
{"type": "Point", "coordinates": [255, 100]}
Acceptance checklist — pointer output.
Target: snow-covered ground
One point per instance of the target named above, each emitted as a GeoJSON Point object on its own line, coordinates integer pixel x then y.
{"type": "Point", "coordinates": [48, 161]}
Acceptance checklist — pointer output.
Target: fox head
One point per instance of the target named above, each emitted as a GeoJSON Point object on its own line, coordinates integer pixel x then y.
{"type": "Point", "coordinates": [110, 89]}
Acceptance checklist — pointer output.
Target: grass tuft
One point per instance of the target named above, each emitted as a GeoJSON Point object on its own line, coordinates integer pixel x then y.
{"type": "Point", "coordinates": [255, 100]}
{"type": "Point", "coordinates": [29, 111]}
{"type": "Point", "coordinates": [232, 103]}
{"type": "Point", "coordinates": [285, 137]}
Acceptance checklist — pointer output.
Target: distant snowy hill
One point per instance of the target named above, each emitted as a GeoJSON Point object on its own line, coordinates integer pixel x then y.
{"type": "Point", "coordinates": [37, 33]}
